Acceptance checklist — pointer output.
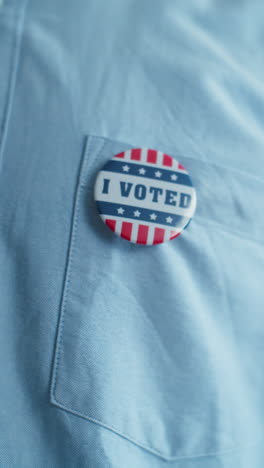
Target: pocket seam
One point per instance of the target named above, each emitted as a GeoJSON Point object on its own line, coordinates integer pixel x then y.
{"type": "Point", "coordinates": [235, 449]}
{"type": "Point", "coordinates": [72, 242]}
{"type": "Point", "coordinates": [69, 261]}
{"type": "Point", "coordinates": [201, 219]}
{"type": "Point", "coordinates": [80, 185]}
{"type": "Point", "coordinates": [179, 155]}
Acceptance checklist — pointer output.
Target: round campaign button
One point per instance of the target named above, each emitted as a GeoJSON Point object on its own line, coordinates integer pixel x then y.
{"type": "Point", "coordinates": [145, 196]}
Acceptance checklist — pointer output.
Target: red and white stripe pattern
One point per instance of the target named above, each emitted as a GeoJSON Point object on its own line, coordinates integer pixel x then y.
{"type": "Point", "coordinates": [141, 233]}
{"type": "Point", "coordinates": [151, 157]}
{"type": "Point", "coordinates": [135, 230]}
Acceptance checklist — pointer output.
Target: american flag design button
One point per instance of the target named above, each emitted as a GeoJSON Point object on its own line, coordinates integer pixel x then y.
{"type": "Point", "coordinates": [145, 196]}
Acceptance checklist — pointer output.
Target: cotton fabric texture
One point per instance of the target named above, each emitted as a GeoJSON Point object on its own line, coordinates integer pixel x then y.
{"type": "Point", "coordinates": [114, 354]}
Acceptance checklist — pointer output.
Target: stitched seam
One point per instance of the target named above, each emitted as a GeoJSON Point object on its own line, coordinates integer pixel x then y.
{"type": "Point", "coordinates": [202, 161]}
{"type": "Point", "coordinates": [13, 79]}
{"type": "Point", "coordinates": [73, 235]}
{"type": "Point", "coordinates": [213, 223]}
{"type": "Point", "coordinates": [76, 210]}
{"type": "Point", "coordinates": [152, 450]}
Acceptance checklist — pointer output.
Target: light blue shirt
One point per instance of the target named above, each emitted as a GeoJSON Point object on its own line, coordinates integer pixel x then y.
{"type": "Point", "coordinates": [115, 355]}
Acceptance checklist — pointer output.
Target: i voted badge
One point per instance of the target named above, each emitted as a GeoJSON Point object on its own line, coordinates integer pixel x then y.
{"type": "Point", "coordinates": [145, 196]}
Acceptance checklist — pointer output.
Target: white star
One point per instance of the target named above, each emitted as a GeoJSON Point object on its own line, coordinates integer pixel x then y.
{"type": "Point", "coordinates": [126, 168]}
{"type": "Point", "coordinates": [158, 174]}
{"type": "Point", "coordinates": [120, 210]}
{"type": "Point", "coordinates": [169, 219]}
{"type": "Point", "coordinates": [142, 170]}
{"type": "Point", "coordinates": [153, 216]}
{"type": "Point", "coordinates": [137, 213]}
{"type": "Point", "coordinates": [174, 177]}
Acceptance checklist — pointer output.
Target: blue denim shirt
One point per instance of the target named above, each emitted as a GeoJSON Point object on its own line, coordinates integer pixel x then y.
{"type": "Point", "coordinates": [113, 354]}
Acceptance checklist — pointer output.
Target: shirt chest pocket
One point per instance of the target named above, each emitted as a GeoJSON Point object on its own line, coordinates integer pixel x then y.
{"type": "Point", "coordinates": [137, 349]}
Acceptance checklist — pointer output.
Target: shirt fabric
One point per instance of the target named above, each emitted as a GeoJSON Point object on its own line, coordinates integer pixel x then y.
{"type": "Point", "coordinates": [113, 354]}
